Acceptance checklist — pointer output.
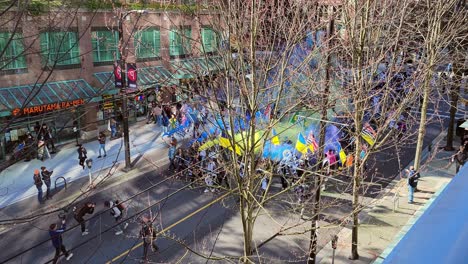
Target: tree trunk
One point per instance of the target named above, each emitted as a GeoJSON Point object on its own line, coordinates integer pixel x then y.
{"type": "Point", "coordinates": [318, 180]}
{"type": "Point", "coordinates": [356, 185]}
{"type": "Point", "coordinates": [454, 92]}
{"type": "Point", "coordinates": [357, 172]}
{"type": "Point", "coordinates": [422, 121]}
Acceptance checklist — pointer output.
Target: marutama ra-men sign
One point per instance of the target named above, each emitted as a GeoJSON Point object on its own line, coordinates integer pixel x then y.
{"type": "Point", "coordinates": [47, 107]}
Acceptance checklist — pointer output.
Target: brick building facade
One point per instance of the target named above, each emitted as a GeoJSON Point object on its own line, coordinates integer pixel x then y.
{"type": "Point", "coordinates": [81, 47]}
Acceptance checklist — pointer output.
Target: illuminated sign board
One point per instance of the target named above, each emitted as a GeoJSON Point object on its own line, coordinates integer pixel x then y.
{"type": "Point", "coordinates": [47, 107]}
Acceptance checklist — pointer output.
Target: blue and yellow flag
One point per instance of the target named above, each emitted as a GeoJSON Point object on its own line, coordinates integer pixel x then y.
{"type": "Point", "coordinates": [301, 144]}
{"type": "Point", "coordinates": [275, 139]}
{"type": "Point", "coordinates": [342, 155]}
{"type": "Point", "coordinates": [368, 137]}
{"type": "Point", "coordinates": [225, 142]}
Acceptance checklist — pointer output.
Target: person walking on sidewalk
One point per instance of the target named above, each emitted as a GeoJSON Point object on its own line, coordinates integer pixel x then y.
{"type": "Point", "coordinates": [412, 183]}
{"type": "Point", "coordinates": [113, 127]}
{"type": "Point", "coordinates": [148, 234]}
{"type": "Point", "coordinates": [165, 122]}
{"type": "Point", "coordinates": [157, 112]}
{"type": "Point", "coordinates": [46, 178]}
{"type": "Point", "coordinates": [82, 155]}
{"type": "Point", "coordinates": [49, 140]}
{"type": "Point", "coordinates": [42, 150]}
{"type": "Point", "coordinates": [102, 144]}
{"type": "Point", "coordinates": [38, 183]}
{"type": "Point", "coordinates": [117, 211]}
{"type": "Point", "coordinates": [459, 158]}
{"type": "Point", "coordinates": [172, 153]}
{"type": "Point", "coordinates": [87, 208]}
{"type": "Point", "coordinates": [57, 241]}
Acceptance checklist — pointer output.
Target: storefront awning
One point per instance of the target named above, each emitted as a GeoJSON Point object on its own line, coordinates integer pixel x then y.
{"type": "Point", "coordinates": [147, 77]}
{"type": "Point", "coordinates": [190, 68]}
{"type": "Point", "coordinates": [12, 99]}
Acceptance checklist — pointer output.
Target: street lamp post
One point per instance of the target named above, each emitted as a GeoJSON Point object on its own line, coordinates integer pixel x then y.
{"type": "Point", "coordinates": [89, 164]}
{"type": "Point", "coordinates": [123, 90]}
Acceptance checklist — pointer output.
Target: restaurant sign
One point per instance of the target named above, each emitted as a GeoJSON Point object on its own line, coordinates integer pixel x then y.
{"type": "Point", "coordinates": [47, 107]}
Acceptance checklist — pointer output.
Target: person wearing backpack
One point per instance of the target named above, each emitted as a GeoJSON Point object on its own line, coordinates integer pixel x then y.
{"type": "Point", "coordinates": [38, 182]}
{"type": "Point", "coordinates": [46, 178]}
{"type": "Point", "coordinates": [117, 211]}
{"type": "Point", "coordinates": [148, 234]}
{"type": "Point", "coordinates": [412, 183]}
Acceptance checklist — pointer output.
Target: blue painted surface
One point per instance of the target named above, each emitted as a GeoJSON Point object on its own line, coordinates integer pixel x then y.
{"type": "Point", "coordinates": [440, 235]}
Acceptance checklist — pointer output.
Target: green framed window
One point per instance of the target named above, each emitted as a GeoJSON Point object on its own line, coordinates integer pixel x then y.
{"type": "Point", "coordinates": [105, 45]}
{"type": "Point", "coordinates": [60, 48]}
{"type": "Point", "coordinates": [179, 41]}
{"type": "Point", "coordinates": [13, 51]}
{"type": "Point", "coordinates": [209, 40]}
{"type": "Point", "coordinates": [147, 43]}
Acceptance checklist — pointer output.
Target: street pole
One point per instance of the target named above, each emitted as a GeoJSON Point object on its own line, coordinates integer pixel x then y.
{"type": "Point", "coordinates": [123, 93]}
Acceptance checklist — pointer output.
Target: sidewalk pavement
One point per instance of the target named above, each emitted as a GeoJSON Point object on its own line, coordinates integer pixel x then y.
{"type": "Point", "coordinates": [390, 216]}
{"type": "Point", "coordinates": [16, 182]}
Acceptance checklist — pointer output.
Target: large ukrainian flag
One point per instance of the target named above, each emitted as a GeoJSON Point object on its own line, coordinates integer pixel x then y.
{"type": "Point", "coordinates": [225, 142]}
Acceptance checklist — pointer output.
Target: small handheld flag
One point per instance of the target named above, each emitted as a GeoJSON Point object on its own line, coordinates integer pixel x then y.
{"type": "Point", "coordinates": [301, 144]}
{"type": "Point", "coordinates": [275, 139]}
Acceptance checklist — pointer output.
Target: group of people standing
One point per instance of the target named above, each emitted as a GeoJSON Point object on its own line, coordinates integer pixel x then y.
{"type": "Point", "coordinates": [118, 210]}
{"type": "Point", "coordinates": [40, 178]}
{"type": "Point", "coordinates": [40, 146]}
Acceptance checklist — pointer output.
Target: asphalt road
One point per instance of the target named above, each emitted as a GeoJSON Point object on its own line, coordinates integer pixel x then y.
{"type": "Point", "coordinates": [102, 244]}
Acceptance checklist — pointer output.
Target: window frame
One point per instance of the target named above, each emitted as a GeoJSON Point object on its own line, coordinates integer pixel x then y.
{"type": "Point", "coordinates": [14, 54]}
{"type": "Point", "coordinates": [95, 44]}
{"type": "Point", "coordinates": [73, 50]}
{"type": "Point", "coordinates": [184, 45]}
{"type": "Point", "coordinates": [156, 39]}
{"type": "Point", "coordinates": [215, 39]}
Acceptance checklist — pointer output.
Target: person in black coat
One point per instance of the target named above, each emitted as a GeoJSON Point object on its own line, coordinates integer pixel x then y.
{"type": "Point", "coordinates": [82, 155]}
{"type": "Point", "coordinates": [46, 178]}
{"type": "Point", "coordinates": [87, 208]}
{"type": "Point", "coordinates": [38, 183]}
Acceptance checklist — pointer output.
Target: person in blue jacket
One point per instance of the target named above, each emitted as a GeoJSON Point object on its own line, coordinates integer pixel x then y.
{"type": "Point", "coordinates": [57, 241]}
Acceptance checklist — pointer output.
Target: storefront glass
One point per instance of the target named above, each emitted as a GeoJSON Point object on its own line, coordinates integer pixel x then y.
{"type": "Point", "coordinates": [61, 124]}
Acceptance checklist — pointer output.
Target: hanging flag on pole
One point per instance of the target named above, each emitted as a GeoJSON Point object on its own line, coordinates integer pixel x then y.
{"type": "Point", "coordinates": [294, 118]}
{"type": "Point", "coordinates": [275, 139]}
